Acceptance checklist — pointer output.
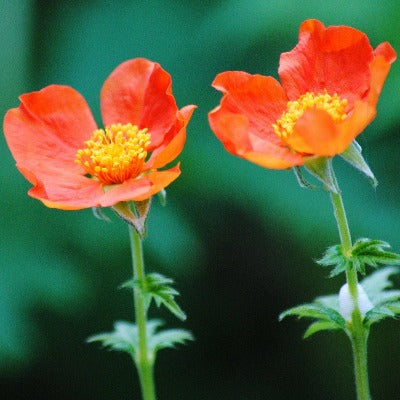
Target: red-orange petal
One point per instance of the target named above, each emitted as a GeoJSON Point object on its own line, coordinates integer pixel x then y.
{"type": "Point", "coordinates": [335, 58]}
{"type": "Point", "coordinates": [249, 107]}
{"type": "Point", "coordinates": [139, 91]}
{"type": "Point", "coordinates": [63, 190]}
{"type": "Point", "coordinates": [48, 127]}
{"type": "Point", "coordinates": [274, 157]}
{"type": "Point", "coordinates": [173, 142]}
{"type": "Point", "coordinates": [385, 55]}
{"type": "Point", "coordinates": [141, 188]}
{"type": "Point", "coordinates": [316, 133]}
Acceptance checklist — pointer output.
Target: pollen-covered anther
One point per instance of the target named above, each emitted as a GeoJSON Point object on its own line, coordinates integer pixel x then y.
{"type": "Point", "coordinates": [115, 154]}
{"type": "Point", "coordinates": [333, 105]}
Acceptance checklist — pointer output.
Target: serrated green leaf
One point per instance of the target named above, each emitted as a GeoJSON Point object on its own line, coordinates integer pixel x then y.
{"type": "Point", "coordinates": [364, 244]}
{"type": "Point", "coordinates": [329, 301]}
{"type": "Point", "coordinates": [169, 339]}
{"type": "Point", "coordinates": [377, 282]}
{"type": "Point", "coordinates": [394, 307]}
{"type": "Point", "coordinates": [367, 252]}
{"type": "Point", "coordinates": [338, 269]}
{"type": "Point", "coordinates": [387, 296]}
{"type": "Point", "coordinates": [124, 338]}
{"type": "Point", "coordinates": [317, 311]}
{"type": "Point", "coordinates": [156, 286]}
{"type": "Point", "coordinates": [334, 257]}
{"type": "Point", "coordinates": [378, 314]}
{"type": "Point", "coordinates": [320, 326]}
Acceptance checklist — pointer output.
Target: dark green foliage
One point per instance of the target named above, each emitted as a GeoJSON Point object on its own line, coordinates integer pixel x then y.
{"type": "Point", "coordinates": [325, 309]}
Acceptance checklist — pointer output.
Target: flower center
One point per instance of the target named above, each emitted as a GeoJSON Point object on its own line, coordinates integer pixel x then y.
{"type": "Point", "coordinates": [114, 154]}
{"type": "Point", "coordinates": [333, 105]}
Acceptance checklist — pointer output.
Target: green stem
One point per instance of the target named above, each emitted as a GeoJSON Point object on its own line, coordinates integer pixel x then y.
{"type": "Point", "coordinates": [144, 359]}
{"type": "Point", "coordinates": [358, 332]}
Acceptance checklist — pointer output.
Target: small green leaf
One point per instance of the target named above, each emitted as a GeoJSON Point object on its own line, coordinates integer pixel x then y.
{"type": "Point", "coordinates": [317, 311]}
{"type": "Point", "coordinates": [367, 252]}
{"type": "Point", "coordinates": [329, 301]}
{"type": "Point", "coordinates": [320, 326]}
{"type": "Point", "coordinates": [378, 314]}
{"type": "Point", "coordinates": [394, 307]}
{"type": "Point", "coordinates": [387, 296]}
{"type": "Point", "coordinates": [169, 339]}
{"type": "Point", "coordinates": [123, 338]}
{"type": "Point", "coordinates": [156, 286]}
{"type": "Point", "coordinates": [334, 257]}
{"type": "Point", "coordinates": [377, 282]}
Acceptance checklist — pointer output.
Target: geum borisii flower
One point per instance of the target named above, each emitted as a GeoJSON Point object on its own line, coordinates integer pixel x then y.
{"type": "Point", "coordinates": [330, 84]}
{"type": "Point", "coordinates": [72, 164]}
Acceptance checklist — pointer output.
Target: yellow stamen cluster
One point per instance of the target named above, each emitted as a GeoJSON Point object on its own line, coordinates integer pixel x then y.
{"type": "Point", "coordinates": [114, 154]}
{"type": "Point", "coordinates": [333, 105]}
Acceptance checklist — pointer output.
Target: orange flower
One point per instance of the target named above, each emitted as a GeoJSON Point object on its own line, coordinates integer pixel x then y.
{"type": "Point", "coordinates": [73, 164]}
{"type": "Point", "coordinates": [331, 82]}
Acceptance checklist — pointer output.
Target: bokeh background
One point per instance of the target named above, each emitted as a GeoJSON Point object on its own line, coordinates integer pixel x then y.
{"type": "Point", "coordinates": [238, 240]}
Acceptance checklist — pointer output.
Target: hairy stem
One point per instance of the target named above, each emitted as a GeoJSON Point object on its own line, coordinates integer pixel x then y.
{"type": "Point", "coordinates": [358, 332]}
{"type": "Point", "coordinates": [144, 358]}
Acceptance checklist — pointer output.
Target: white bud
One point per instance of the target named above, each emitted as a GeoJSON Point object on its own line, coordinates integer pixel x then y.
{"type": "Point", "coordinates": [346, 304]}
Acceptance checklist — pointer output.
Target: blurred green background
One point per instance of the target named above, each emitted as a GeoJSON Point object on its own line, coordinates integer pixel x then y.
{"type": "Point", "coordinates": [238, 240]}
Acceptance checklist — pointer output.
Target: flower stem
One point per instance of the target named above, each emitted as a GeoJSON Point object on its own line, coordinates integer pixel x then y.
{"type": "Point", "coordinates": [144, 359]}
{"type": "Point", "coordinates": [358, 332]}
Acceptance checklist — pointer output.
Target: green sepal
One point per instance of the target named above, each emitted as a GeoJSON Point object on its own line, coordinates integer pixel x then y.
{"type": "Point", "coordinates": [156, 286]}
{"type": "Point", "coordinates": [321, 168]}
{"type": "Point", "coordinates": [162, 196]}
{"type": "Point", "coordinates": [301, 180]}
{"type": "Point", "coordinates": [353, 156]}
{"type": "Point", "coordinates": [134, 213]}
{"type": "Point", "coordinates": [125, 338]}
{"type": "Point", "coordinates": [99, 214]}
